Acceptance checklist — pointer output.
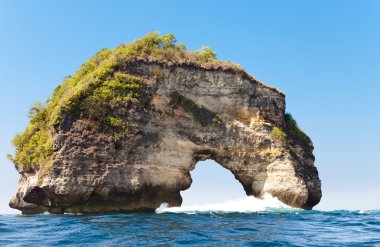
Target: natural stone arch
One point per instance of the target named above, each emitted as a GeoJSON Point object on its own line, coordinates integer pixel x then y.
{"type": "Point", "coordinates": [190, 114]}
{"type": "Point", "coordinates": [211, 184]}
{"type": "Point", "coordinates": [207, 154]}
{"type": "Point", "coordinates": [256, 174]}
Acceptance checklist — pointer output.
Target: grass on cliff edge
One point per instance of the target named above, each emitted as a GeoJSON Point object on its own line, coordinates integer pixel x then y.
{"type": "Point", "coordinates": [99, 81]}
{"type": "Point", "coordinates": [290, 130]}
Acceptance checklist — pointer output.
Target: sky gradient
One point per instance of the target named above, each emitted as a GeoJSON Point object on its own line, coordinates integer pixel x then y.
{"type": "Point", "coordinates": [324, 55]}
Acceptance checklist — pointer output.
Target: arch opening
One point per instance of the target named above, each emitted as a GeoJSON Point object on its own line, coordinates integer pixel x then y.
{"type": "Point", "coordinates": [211, 183]}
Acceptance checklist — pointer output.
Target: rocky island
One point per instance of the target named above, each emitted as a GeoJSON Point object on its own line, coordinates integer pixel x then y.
{"type": "Point", "coordinates": [124, 132]}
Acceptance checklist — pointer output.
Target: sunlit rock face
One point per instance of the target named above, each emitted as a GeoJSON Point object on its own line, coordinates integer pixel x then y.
{"type": "Point", "coordinates": [190, 113]}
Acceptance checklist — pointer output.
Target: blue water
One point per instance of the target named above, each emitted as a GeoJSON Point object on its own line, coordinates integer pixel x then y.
{"type": "Point", "coordinates": [267, 228]}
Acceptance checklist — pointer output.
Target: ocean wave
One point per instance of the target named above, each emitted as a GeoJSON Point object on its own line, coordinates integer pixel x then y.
{"type": "Point", "coordinates": [265, 223]}
{"type": "Point", "coordinates": [244, 205]}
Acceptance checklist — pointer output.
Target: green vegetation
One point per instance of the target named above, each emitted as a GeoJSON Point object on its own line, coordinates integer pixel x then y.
{"type": "Point", "coordinates": [34, 146]}
{"type": "Point", "coordinates": [201, 114]}
{"type": "Point", "coordinates": [291, 133]}
{"type": "Point", "coordinates": [158, 74]}
{"type": "Point", "coordinates": [100, 86]}
{"type": "Point", "coordinates": [115, 93]}
{"type": "Point", "coordinates": [217, 119]}
{"type": "Point", "coordinates": [278, 134]}
{"type": "Point", "coordinates": [205, 54]}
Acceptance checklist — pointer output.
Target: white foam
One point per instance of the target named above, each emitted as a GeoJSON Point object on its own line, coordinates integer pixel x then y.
{"type": "Point", "coordinates": [244, 205]}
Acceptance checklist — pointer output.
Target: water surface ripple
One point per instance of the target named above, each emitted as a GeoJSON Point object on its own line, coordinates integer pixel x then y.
{"type": "Point", "coordinates": [267, 228]}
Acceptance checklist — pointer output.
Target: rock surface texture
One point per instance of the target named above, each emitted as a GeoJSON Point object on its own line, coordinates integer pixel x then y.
{"type": "Point", "coordinates": [188, 113]}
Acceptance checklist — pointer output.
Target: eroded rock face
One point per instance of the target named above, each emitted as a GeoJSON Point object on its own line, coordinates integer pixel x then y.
{"type": "Point", "coordinates": [188, 115]}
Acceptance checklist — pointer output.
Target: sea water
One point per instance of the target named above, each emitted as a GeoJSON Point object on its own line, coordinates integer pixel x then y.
{"type": "Point", "coordinates": [245, 222]}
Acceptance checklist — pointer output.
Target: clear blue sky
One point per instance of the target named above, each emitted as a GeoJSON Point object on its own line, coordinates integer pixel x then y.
{"type": "Point", "coordinates": [324, 55]}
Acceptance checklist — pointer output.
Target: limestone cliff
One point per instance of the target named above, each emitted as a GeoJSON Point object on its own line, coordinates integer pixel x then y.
{"type": "Point", "coordinates": [128, 140]}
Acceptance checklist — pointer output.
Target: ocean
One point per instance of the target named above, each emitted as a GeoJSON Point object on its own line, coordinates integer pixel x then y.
{"type": "Point", "coordinates": [245, 222]}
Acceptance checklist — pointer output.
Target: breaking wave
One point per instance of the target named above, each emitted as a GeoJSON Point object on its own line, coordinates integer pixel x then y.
{"type": "Point", "coordinates": [245, 205]}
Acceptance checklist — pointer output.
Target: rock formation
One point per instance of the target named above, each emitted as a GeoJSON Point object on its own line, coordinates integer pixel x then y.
{"type": "Point", "coordinates": [133, 151]}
